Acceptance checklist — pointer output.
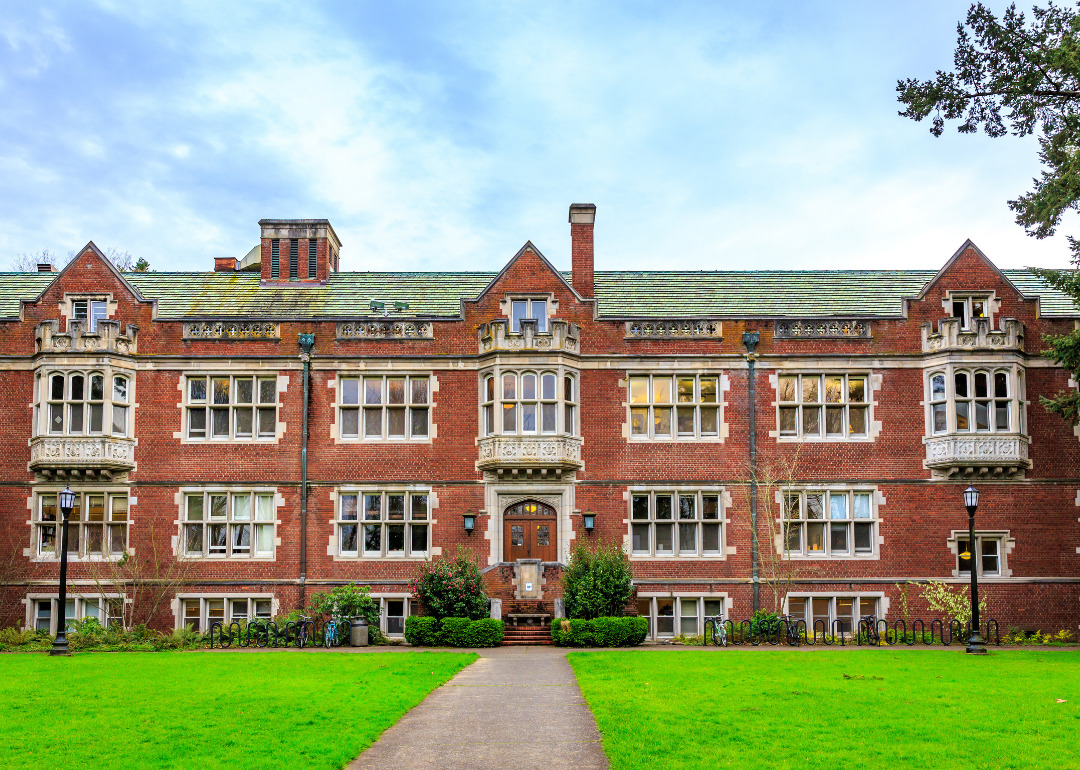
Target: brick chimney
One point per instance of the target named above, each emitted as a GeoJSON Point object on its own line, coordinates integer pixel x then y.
{"type": "Point", "coordinates": [303, 251]}
{"type": "Point", "coordinates": [582, 217]}
{"type": "Point", "coordinates": [46, 267]}
{"type": "Point", "coordinates": [224, 264]}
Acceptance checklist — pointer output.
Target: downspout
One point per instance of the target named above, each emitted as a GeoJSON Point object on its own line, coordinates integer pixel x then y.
{"type": "Point", "coordinates": [307, 342]}
{"type": "Point", "coordinates": [750, 341]}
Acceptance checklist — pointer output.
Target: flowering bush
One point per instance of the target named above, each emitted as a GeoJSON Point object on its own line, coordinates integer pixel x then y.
{"type": "Point", "coordinates": [952, 603]}
{"type": "Point", "coordinates": [451, 588]}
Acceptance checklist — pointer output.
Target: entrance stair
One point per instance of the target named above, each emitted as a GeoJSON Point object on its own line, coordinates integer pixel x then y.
{"type": "Point", "coordinates": [527, 622]}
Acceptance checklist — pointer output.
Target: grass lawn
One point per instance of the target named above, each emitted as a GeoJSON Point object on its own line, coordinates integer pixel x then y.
{"type": "Point", "coordinates": [193, 710]}
{"type": "Point", "coordinates": [854, 709]}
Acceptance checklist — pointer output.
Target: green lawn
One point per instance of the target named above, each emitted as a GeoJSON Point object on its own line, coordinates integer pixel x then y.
{"type": "Point", "coordinates": [854, 709]}
{"type": "Point", "coordinates": [193, 710]}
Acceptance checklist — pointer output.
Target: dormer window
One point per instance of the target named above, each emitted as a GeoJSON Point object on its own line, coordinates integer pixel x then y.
{"type": "Point", "coordinates": [89, 311]}
{"type": "Point", "coordinates": [535, 309]}
{"type": "Point", "coordinates": [969, 307]}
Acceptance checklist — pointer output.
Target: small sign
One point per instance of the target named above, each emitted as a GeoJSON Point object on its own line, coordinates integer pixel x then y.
{"type": "Point", "coordinates": [528, 586]}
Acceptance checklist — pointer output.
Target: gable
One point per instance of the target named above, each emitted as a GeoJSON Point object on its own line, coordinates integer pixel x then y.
{"type": "Point", "coordinates": [91, 272]}
{"type": "Point", "coordinates": [529, 271]}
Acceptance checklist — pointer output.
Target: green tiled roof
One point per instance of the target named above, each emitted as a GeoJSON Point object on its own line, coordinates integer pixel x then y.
{"type": "Point", "coordinates": [619, 294]}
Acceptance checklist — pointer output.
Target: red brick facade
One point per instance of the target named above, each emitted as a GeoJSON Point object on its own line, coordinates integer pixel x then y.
{"type": "Point", "coordinates": [594, 464]}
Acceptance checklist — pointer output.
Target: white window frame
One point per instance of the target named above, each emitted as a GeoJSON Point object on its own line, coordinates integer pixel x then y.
{"type": "Point", "coordinates": [850, 523]}
{"type": "Point", "coordinates": [256, 604]}
{"type": "Point", "coordinates": [115, 517]}
{"type": "Point", "coordinates": [949, 402]}
{"type": "Point", "coordinates": [543, 320]}
{"type": "Point", "coordinates": [1003, 540]}
{"type": "Point", "coordinates": [89, 310]}
{"type": "Point", "coordinates": [107, 605]}
{"type": "Point", "coordinates": [260, 502]}
{"type": "Point", "coordinates": [650, 406]}
{"type": "Point", "coordinates": [971, 302]}
{"type": "Point", "coordinates": [498, 401]}
{"type": "Point", "coordinates": [680, 602]}
{"type": "Point", "coordinates": [681, 500]}
{"type": "Point", "coordinates": [859, 609]}
{"type": "Point", "coordinates": [410, 522]}
{"type": "Point", "coordinates": [410, 608]}
{"type": "Point", "coordinates": [115, 404]}
{"type": "Point", "coordinates": [263, 408]}
{"type": "Point", "coordinates": [410, 406]}
{"type": "Point", "coordinates": [803, 409]}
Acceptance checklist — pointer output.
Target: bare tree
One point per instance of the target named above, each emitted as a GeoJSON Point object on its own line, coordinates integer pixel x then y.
{"type": "Point", "coordinates": [11, 566]}
{"type": "Point", "coordinates": [28, 263]}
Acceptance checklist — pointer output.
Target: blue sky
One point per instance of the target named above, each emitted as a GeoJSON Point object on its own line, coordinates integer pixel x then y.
{"type": "Point", "coordinates": [442, 136]}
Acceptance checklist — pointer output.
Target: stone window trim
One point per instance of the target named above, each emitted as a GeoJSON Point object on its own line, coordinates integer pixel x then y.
{"type": "Point", "coordinates": [507, 309]}
{"type": "Point", "coordinates": [671, 614]}
{"type": "Point", "coordinates": [689, 510]}
{"type": "Point", "coordinates": [859, 607]}
{"type": "Point", "coordinates": [384, 407]}
{"type": "Point", "coordinates": [943, 402]}
{"type": "Point", "coordinates": [338, 523]}
{"type": "Point", "coordinates": [872, 384]}
{"type": "Point", "coordinates": [99, 399]}
{"type": "Point", "coordinates": [259, 401]}
{"type": "Point", "coordinates": [850, 521]}
{"type": "Point", "coordinates": [337, 386]}
{"type": "Point", "coordinates": [219, 607]}
{"type": "Point", "coordinates": [974, 302]}
{"type": "Point", "coordinates": [67, 306]}
{"type": "Point", "coordinates": [1005, 544]}
{"type": "Point", "coordinates": [531, 400]}
{"type": "Point", "coordinates": [692, 414]}
{"type": "Point", "coordinates": [95, 510]}
{"type": "Point", "coordinates": [110, 607]}
{"type": "Point", "coordinates": [179, 542]}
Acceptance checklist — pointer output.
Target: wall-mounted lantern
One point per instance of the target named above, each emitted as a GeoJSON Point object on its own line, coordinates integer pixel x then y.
{"type": "Point", "coordinates": [470, 521]}
{"type": "Point", "coordinates": [590, 521]}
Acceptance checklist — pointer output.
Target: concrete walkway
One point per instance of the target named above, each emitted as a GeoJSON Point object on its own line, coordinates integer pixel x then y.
{"type": "Point", "coordinates": [516, 707]}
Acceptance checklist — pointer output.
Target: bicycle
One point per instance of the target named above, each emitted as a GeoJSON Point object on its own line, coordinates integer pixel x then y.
{"type": "Point", "coordinates": [791, 627]}
{"type": "Point", "coordinates": [302, 632]}
{"type": "Point", "coordinates": [719, 631]}
{"type": "Point", "coordinates": [871, 622]}
{"type": "Point", "coordinates": [330, 633]}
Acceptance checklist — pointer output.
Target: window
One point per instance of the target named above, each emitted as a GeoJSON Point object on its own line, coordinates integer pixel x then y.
{"type": "Point", "coordinates": [275, 258]}
{"type": "Point", "coordinates": [89, 311]}
{"type": "Point", "coordinates": [224, 407]}
{"type": "Point", "coordinates": [294, 259]}
{"type": "Point", "coordinates": [989, 548]}
{"type": "Point", "coordinates": [528, 403]}
{"type": "Point", "coordinates": [229, 524]}
{"type": "Point", "coordinates": [828, 609]}
{"type": "Point", "coordinates": [200, 613]}
{"type": "Point", "coordinates": [384, 407]}
{"type": "Point", "coordinates": [98, 526]}
{"type": "Point", "coordinates": [82, 404]}
{"type": "Point", "coordinates": [107, 610]}
{"type": "Point", "coordinates": [383, 524]}
{"type": "Point", "coordinates": [312, 258]}
{"type": "Point", "coordinates": [684, 615]}
{"type": "Point", "coordinates": [968, 308]}
{"type": "Point", "coordinates": [521, 309]}
{"type": "Point", "coordinates": [829, 523]}
{"type": "Point", "coordinates": [822, 405]}
{"type": "Point", "coordinates": [394, 610]}
{"type": "Point", "coordinates": [680, 406]}
{"type": "Point", "coordinates": [981, 401]}
{"type": "Point", "coordinates": [669, 523]}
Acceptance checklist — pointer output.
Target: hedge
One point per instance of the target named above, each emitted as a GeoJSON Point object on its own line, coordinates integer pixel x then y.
{"type": "Point", "coordinates": [423, 631]}
{"type": "Point", "coordinates": [600, 632]}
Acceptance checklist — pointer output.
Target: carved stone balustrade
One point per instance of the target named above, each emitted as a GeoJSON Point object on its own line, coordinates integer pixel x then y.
{"type": "Point", "coordinates": [107, 338]}
{"type": "Point", "coordinates": [232, 330]}
{"type": "Point", "coordinates": [950, 336]}
{"type": "Point", "coordinates": [819, 329]}
{"type": "Point", "coordinates": [562, 337]}
{"type": "Point", "coordinates": [81, 456]}
{"type": "Point", "coordinates": [529, 456]}
{"type": "Point", "coordinates": [675, 330]}
{"type": "Point", "coordinates": [1001, 455]}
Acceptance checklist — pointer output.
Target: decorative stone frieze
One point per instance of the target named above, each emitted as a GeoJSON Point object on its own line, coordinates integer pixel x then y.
{"type": "Point", "coordinates": [563, 337]}
{"type": "Point", "coordinates": [950, 336]}
{"type": "Point", "coordinates": [985, 454]}
{"type": "Point", "coordinates": [537, 455]}
{"type": "Point", "coordinates": [78, 456]}
{"type": "Point", "coordinates": [232, 330]}
{"type": "Point", "coordinates": [107, 338]}
{"type": "Point", "coordinates": [386, 330]}
{"type": "Point", "coordinates": [821, 329]}
{"type": "Point", "coordinates": [666, 330]}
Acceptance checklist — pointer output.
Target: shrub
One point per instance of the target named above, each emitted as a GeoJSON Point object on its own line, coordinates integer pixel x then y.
{"type": "Point", "coordinates": [597, 582]}
{"type": "Point", "coordinates": [421, 631]}
{"type": "Point", "coordinates": [455, 632]}
{"type": "Point", "coordinates": [451, 588]}
{"type": "Point", "coordinates": [600, 632]}
{"type": "Point", "coordinates": [953, 603]}
{"type": "Point", "coordinates": [486, 632]}
{"type": "Point", "coordinates": [346, 603]}
{"type": "Point", "coordinates": [764, 623]}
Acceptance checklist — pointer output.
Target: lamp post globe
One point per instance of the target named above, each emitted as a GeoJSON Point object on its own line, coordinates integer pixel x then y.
{"type": "Point", "coordinates": [976, 645]}
{"type": "Point", "coordinates": [60, 645]}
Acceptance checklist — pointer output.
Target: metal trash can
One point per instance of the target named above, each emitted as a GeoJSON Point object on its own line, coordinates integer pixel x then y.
{"type": "Point", "coordinates": [359, 634]}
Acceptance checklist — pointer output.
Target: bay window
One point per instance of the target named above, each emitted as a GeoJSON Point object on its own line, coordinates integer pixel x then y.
{"type": "Point", "coordinates": [529, 403]}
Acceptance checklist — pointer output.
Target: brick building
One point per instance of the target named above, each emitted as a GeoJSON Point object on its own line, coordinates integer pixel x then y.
{"type": "Point", "coordinates": [533, 402]}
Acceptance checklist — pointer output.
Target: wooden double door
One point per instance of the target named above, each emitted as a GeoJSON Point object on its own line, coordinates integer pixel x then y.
{"type": "Point", "coordinates": [529, 531]}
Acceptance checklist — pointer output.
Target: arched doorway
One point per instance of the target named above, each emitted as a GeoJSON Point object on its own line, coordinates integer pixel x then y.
{"type": "Point", "coordinates": [529, 531]}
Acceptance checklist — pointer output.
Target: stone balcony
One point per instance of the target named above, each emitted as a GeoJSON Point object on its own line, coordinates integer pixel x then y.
{"type": "Point", "coordinates": [986, 455]}
{"type": "Point", "coordinates": [81, 456]}
{"type": "Point", "coordinates": [107, 339]}
{"type": "Point", "coordinates": [561, 337]}
{"type": "Point", "coordinates": [529, 456]}
{"type": "Point", "coordinates": [950, 336]}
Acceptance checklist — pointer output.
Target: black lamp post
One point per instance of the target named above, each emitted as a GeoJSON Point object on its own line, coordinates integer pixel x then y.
{"type": "Point", "coordinates": [976, 645]}
{"type": "Point", "coordinates": [60, 645]}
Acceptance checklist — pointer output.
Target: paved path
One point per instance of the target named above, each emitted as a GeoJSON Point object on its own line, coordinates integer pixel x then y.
{"type": "Point", "coordinates": [516, 707]}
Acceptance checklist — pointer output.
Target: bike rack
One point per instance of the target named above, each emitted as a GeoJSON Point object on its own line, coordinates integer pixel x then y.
{"type": "Point", "coordinates": [221, 640]}
{"type": "Point", "coordinates": [955, 623]}
{"type": "Point", "coordinates": [997, 638]}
